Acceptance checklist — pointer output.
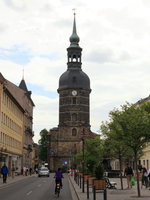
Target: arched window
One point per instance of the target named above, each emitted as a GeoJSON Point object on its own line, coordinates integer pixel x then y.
{"type": "Point", "coordinates": [74, 132]}
{"type": "Point", "coordinates": [74, 117]}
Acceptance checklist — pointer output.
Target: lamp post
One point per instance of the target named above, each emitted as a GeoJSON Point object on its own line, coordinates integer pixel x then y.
{"type": "Point", "coordinates": [83, 158]}
{"type": "Point", "coordinates": [91, 135]}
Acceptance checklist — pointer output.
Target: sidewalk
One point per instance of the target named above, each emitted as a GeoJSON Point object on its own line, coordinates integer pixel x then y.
{"type": "Point", "coordinates": [112, 194]}
{"type": "Point", "coordinates": [11, 180]}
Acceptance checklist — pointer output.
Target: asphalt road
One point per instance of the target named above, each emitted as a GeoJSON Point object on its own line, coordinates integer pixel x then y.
{"type": "Point", "coordinates": [35, 188]}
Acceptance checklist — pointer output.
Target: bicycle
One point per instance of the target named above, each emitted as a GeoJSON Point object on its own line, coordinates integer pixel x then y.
{"type": "Point", "coordinates": [58, 187]}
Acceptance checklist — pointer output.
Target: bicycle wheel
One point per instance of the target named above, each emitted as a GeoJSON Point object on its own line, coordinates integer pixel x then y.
{"type": "Point", "coordinates": [58, 194]}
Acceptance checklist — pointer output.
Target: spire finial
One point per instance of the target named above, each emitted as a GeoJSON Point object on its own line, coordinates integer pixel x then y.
{"type": "Point", "coordinates": [74, 11]}
{"type": "Point", "coordinates": [23, 73]}
{"type": "Point", "coordinates": [74, 39]}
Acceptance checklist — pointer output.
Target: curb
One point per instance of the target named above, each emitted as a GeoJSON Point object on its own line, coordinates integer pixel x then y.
{"type": "Point", "coordinates": [74, 189]}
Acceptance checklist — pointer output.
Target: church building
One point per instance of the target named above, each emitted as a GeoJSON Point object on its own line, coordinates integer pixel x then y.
{"type": "Point", "coordinates": [74, 109]}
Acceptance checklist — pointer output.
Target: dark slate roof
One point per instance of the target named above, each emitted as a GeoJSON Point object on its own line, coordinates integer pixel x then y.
{"type": "Point", "coordinates": [74, 79]}
{"type": "Point", "coordinates": [23, 86]}
{"type": "Point", "coordinates": [2, 79]}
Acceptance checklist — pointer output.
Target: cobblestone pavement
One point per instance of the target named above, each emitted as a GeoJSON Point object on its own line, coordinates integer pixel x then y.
{"type": "Point", "coordinates": [113, 194]}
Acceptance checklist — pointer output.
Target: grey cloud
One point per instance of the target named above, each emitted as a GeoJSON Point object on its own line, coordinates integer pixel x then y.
{"type": "Point", "coordinates": [100, 56]}
{"type": "Point", "coordinates": [3, 28]}
{"type": "Point", "coordinates": [14, 5]}
{"type": "Point", "coordinates": [125, 56]}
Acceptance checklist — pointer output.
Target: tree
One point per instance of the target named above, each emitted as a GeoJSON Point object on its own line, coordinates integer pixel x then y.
{"type": "Point", "coordinates": [93, 152]}
{"type": "Point", "coordinates": [133, 121]}
{"type": "Point", "coordinates": [113, 144]}
{"type": "Point", "coordinates": [43, 144]}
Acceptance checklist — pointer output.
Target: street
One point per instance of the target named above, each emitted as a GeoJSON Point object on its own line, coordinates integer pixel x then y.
{"type": "Point", "coordinates": [35, 188]}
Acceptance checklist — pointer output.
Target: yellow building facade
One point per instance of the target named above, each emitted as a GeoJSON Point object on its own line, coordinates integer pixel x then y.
{"type": "Point", "coordinates": [16, 120]}
{"type": "Point", "coordinates": [11, 127]}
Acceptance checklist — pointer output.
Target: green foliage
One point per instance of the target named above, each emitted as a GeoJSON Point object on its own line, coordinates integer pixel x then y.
{"type": "Point", "coordinates": [93, 152]}
{"type": "Point", "coordinates": [43, 144]}
{"type": "Point", "coordinates": [129, 128]}
{"type": "Point", "coordinates": [99, 172]}
{"type": "Point", "coordinates": [134, 122]}
{"type": "Point", "coordinates": [113, 144]}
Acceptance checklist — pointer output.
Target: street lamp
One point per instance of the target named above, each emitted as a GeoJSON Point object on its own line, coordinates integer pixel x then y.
{"type": "Point", "coordinates": [83, 136]}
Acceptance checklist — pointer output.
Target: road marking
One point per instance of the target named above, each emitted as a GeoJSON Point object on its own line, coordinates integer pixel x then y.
{"type": "Point", "coordinates": [29, 193]}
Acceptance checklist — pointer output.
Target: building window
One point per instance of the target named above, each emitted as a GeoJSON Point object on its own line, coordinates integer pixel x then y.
{"type": "Point", "coordinates": [74, 117]}
{"type": "Point", "coordinates": [74, 132]}
{"type": "Point", "coordinates": [74, 100]}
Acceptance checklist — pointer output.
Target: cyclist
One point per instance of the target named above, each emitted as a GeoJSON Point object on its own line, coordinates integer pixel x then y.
{"type": "Point", "coordinates": [58, 178]}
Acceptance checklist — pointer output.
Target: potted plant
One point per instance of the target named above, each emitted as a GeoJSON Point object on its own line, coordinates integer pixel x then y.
{"type": "Point", "coordinates": [100, 181]}
{"type": "Point", "coordinates": [99, 172]}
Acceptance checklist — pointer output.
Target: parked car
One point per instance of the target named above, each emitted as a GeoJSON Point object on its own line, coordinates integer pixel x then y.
{"type": "Point", "coordinates": [43, 171]}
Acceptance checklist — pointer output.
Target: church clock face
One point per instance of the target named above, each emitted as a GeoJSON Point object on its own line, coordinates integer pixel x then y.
{"type": "Point", "coordinates": [74, 92]}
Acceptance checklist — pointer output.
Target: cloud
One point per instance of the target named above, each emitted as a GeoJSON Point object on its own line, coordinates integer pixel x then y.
{"type": "Point", "coordinates": [101, 56]}
{"type": "Point", "coordinates": [115, 41]}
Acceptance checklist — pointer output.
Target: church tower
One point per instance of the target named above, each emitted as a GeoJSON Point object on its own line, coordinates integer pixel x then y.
{"type": "Point", "coordinates": [74, 107]}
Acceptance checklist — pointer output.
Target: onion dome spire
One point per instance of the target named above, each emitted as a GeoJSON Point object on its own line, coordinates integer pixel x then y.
{"type": "Point", "coordinates": [74, 38]}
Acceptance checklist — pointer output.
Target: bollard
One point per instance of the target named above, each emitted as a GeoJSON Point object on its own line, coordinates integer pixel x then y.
{"type": "Point", "coordinates": [75, 176]}
{"type": "Point", "coordinates": [80, 181]}
{"type": "Point", "coordinates": [105, 194]}
{"type": "Point", "coordinates": [87, 189]}
{"type": "Point", "coordinates": [83, 184]}
{"type": "Point", "coordinates": [94, 192]}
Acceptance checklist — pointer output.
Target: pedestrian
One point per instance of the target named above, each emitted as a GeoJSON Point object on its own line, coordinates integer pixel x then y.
{"type": "Point", "coordinates": [4, 172]}
{"type": "Point", "coordinates": [24, 171]}
{"type": "Point", "coordinates": [30, 171]}
{"type": "Point", "coordinates": [144, 177]}
{"type": "Point", "coordinates": [128, 172]}
{"type": "Point", "coordinates": [13, 171]}
{"type": "Point", "coordinates": [149, 179]}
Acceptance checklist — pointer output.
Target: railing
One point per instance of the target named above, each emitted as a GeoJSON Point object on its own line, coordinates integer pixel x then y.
{"type": "Point", "coordinates": [98, 186]}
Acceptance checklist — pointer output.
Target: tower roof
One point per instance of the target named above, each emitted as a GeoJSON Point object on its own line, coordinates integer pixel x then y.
{"type": "Point", "coordinates": [74, 38]}
{"type": "Point", "coordinates": [23, 86]}
{"type": "Point", "coordinates": [74, 77]}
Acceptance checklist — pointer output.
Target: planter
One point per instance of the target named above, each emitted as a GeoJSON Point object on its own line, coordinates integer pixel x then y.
{"type": "Point", "coordinates": [99, 184]}
{"type": "Point", "coordinates": [86, 178]}
{"type": "Point", "coordinates": [91, 179]}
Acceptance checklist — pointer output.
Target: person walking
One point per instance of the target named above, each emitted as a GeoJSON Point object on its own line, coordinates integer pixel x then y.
{"type": "Point", "coordinates": [144, 177]}
{"type": "Point", "coordinates": [13, 171]}
{"type": "Point", "coordinates": [129, 174]}
{"type": "Point", "coordinates": [30, 171]}
{"type": "Point", "coordinates": [4, 172]}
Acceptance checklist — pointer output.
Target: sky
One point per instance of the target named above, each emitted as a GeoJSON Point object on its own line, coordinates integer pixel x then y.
{"type": "Point", "coordinates": [114, 35]}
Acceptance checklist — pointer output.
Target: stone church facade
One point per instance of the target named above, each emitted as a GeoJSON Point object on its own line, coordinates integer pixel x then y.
{"type": "Point", "coordinates": [74, 109]}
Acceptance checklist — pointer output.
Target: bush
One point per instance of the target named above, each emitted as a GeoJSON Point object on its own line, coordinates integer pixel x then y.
{"type": "Point", "coordinates": [99, 172]}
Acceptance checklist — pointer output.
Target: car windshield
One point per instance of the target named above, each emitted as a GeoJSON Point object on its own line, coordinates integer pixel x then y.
{"type": "Point", "coordinates": [43, 169]}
